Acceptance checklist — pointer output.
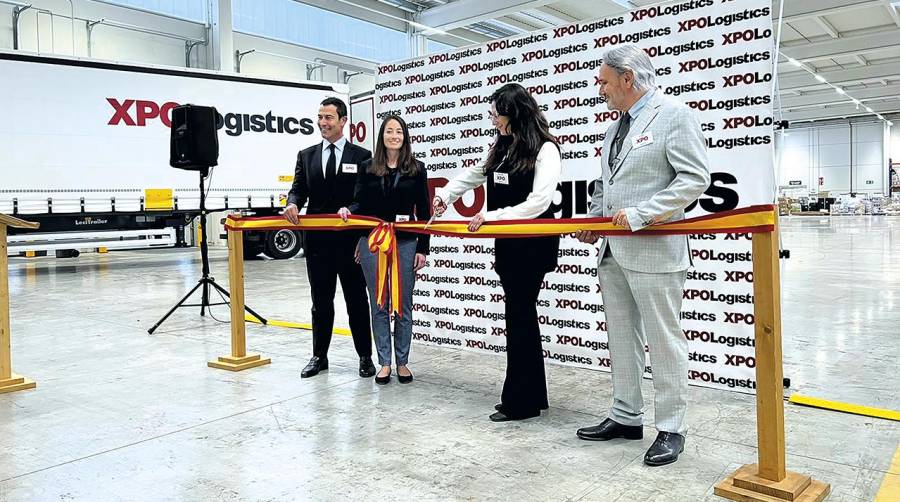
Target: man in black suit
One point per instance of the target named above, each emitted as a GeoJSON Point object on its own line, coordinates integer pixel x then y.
{"type": "Point", "coordinates": [325, 175]}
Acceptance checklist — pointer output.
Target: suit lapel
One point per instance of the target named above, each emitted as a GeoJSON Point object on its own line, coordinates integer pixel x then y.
{"type": "Point", "coordinates": [346, 155]}
{"type": "Point", "coordinates": [651, 109]}
{"type": "Point", "coordinates": [607, 141]}
{"type": "Point", "coordinates": [315, 166]}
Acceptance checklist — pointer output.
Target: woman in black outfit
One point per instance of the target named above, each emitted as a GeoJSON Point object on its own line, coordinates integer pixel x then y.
{"type": "Point", "coordinates": [522, 171]}
{"type": "Point", "coordinates": [393, 186]}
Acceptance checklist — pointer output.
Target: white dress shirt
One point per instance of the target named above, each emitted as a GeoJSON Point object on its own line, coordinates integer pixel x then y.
{"type": "Point", "coordinates": [547, 169]}
{"type": "Point", "coordinates": [338, 152]}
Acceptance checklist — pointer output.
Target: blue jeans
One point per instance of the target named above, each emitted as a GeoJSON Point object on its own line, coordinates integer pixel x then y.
{"type": "Point", "coordinates": [381, 316]}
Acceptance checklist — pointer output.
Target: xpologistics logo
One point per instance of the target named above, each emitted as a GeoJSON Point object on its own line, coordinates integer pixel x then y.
{"type": "Point", "coordinates": [437, 340]}
{"type": "Point", "coordinates": [577, 341]}
{"type": "Point", "coordinates": [479, 66]}
{"type": "Point", "coordinates": [390, 98]}
{"type": "Point", "coordinates": [235, 124]}
{"type": "Point", "coordinates": [390, 83]}
{"type": "Point", "coordinates": [704, 22]}
{"type": "Point", "coordinates": [729, 143]}
{"type": "Point", "coordinates": [575, 29]}
{"type": "Point", "coordinates": [455, 56]}
{"type": "Point", "coordinates": [576, 66]}
{"type": "Point", "coordinates": [502, 45]}
{"type": "Point", "coordinates": [431, 77]}
{"type": "Point", "coordinates": [732, 383]}
{"type": "Point", "coordinates": [677, 50]}
{"type": "Point", "coordinates": [557, 88]}
{"type": "Point", "coordinates": [728, 62]}
{"type": "Point", "coordinates": [578, 138]}
{"type": "Point", "coordinates": [677, 90]}
{"type": "Point", "coordinates": [712, 337]}
{"type": "Point", "coordinates": [517, 77]}
{"type": "Point", "coordinates": [631, 38]}
{"type": "Point", "coordinates": [568, 358]}
{"type": "Point", "coordinates": [395, 67]}
{"type": "Point", "coordinates": [452, 89]}
{"type": "Point", "coordinates": [553, 53]}
{"type": "Point", "coordinates": [747, 122]}
{"type": "Point", "coordinates": [747, 78]}
{"type": "Point", "coordinates": [729, 104]}
{"type": "Point", "coordinates": [577, 102]}
{"type": "Point", "coordinates": [422, 108]}
{"type": "Point", "coordinates": [709, 295]}
{"type": "Point", "coordinates": [565, 287]}
{"type": "Point", "coordinates": [669, 10]}
{"type": "Point", "coordinates": [462, 119]}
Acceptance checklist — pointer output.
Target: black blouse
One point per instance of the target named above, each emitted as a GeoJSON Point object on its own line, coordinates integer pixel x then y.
{"type": "Point", "coordinates": [392, 195]}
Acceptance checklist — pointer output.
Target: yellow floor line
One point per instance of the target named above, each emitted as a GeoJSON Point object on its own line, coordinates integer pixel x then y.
{"type": "Point", "coordinates": [294, 325]}
{"type": "Point", "coordinates": [890, 485]}
{"type": "Point", "coordinates": [845, 407]}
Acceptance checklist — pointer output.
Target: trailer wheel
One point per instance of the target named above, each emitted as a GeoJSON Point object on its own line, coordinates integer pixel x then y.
{"type": "Point", "coordinates": [283, 244]}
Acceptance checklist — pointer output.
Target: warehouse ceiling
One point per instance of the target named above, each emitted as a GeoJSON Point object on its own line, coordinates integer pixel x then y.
{"type": "Point", "coordinates": [853, 44]}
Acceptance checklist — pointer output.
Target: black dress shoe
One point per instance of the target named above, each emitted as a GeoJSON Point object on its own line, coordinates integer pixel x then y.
{"type": "Point", "coordinates": [366, 368]}
{"type": "Point", "coordinates": [382, 380]}
{"type": "Point", "coordinates": [610, 429]}
{"type": "Point", "coordinates": [503, 417]}
{"type": "Point", "coordinates": [665, 449]}
{"type": "Point", "coordinates": [314, 366]}
{"type": "Point", "coordinates": [404, 379]}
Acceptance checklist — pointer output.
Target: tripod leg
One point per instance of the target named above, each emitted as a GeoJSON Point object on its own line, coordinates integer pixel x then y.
{"type": "Point", "coordinates": [188, 295]}
{"type": "Point", "coordinates": [248, 309]}
{"type": "Point", "coordinates": [204, 299]}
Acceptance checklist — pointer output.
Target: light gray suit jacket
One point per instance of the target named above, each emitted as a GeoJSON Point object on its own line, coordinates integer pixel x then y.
{"type": "Point", "coordinates": [662, 168]}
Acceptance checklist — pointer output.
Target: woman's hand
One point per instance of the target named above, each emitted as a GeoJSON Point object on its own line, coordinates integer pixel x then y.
{"type": "Point", "coordinates": [475, 222]}
{"type": "Point", "coordinates": [438, 206]}
{"type": "Point", "coordinates": [356, 254]}
{"type": "Point", "coordinates": [420, 262]}
{"type": "Point", "coordinates": [344, 213]}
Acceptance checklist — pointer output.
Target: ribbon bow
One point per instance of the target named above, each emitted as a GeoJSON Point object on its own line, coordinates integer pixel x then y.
{"type": "Point", "coordinates": [383, 243]}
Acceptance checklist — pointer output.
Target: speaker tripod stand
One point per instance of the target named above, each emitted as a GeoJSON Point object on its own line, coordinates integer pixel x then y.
{"type": "Point", "coordinates": [206, 282]}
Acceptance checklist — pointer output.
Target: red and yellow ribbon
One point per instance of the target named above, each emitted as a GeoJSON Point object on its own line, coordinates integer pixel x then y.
{"type": "Point", "coordinates": [383, 243]}
{"type": "Point", "coordinates": [383, 239]}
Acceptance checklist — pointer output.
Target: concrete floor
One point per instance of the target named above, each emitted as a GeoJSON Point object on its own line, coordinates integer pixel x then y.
{"type": "Point", "coordinates": [120, 415]}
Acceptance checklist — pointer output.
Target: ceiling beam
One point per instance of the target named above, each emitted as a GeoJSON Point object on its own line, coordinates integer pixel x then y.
{"type": "Point", "coordinates": [889, 5]}
{"type": "Point", "coordinates": [872, 73]}
{"type": "Point", "coordinates": [796, 10]}
{"type": "Point", "coordinates": [825, 25]}
{"type": "Point", "coordinates": [555, 15]}
{"type": "Point", "coordinates": [841, 111]}
{"type": "Point", "coordinates": [832, 98]}
{"type": "Point", "coordinates": [465, 12]}
{"type": "Point", "coordinates": [523, 22]}
{"type": "Point", "coordinates": [846, 46]}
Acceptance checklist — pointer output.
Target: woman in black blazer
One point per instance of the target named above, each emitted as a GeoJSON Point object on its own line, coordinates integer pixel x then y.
{"type": "Point", "coordinates": [521, 172]}
{"type": "Point", "coordinates": [392, 186]}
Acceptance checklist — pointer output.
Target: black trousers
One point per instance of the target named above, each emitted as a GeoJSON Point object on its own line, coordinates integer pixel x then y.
{"type": "Point", "coordinates": [521, 266]}
{"type": "Point", "coordinates": [328, 259]}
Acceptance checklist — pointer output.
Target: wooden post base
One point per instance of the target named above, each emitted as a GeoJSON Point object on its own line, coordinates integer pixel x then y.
{"type": "Point", "coordinates": [15, 383]}
{"type": "Point", "coordinates": [745, 485]}
{"type": "Point", "coordinates": [231, 363]}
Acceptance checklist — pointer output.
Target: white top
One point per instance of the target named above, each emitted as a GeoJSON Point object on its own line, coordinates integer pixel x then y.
{"type": "Point", "coordinates": [338, 152]}
{"type": "Point", "coordinates": [547, 169]}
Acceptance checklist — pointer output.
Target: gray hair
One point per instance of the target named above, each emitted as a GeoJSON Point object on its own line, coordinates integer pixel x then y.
{"type": "Point", "coordinates": [632, 58]}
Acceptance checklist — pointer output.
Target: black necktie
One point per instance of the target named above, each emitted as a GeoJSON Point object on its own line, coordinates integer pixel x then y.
{"type": "Point", "coordinates": [330, 166]}
{"type": "Point", "coordinates": [624, 126]}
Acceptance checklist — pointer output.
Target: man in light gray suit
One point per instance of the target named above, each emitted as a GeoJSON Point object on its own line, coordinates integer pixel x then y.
{"type": "Point", "coordinates": [654, 164]}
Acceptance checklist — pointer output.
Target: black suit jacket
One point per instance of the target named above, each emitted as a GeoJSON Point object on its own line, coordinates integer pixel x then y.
{"type": "Point", "coordinates": [324, 198]}
{"type": "Point", "coordinates": [389, 196]}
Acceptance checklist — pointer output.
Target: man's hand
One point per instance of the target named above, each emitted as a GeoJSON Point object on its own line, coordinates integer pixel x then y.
{"type": "Point", "coordinates": [356, 255]}
{"type": "Point", "coordinates": [621, 220]}
{"type": "Point", "coordinates": [292, 214]}
{"type": "Point", "coordinates": [344, 213]}
{"type": "Point", "coordinates": [587, 236]}
{"type": "Point", "coordinates": [438, 206]}
{"type": "Point", "coordinates": [475, 222]}
{"type": "Point", "coordinates": [420, 262]}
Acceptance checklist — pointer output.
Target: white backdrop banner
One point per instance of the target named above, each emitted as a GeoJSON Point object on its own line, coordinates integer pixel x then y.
{"type": "Point", "coordinates": [717, 57]}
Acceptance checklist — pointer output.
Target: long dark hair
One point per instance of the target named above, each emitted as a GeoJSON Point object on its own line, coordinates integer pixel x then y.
{"type": "Point", "coordinates": [528, 130]}
{"type": "Point", "coordinates": [406, 163]}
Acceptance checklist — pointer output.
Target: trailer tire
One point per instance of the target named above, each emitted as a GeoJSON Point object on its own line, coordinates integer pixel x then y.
{"type": "Point", "coordinates": [283, 244]}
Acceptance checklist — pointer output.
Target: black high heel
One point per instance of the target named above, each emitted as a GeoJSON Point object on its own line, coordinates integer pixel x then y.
{"type": "Point", "coordinates": [383, 380]}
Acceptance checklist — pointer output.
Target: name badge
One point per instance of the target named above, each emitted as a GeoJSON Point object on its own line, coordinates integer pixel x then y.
{"type": "Point", "coordinates": [348, 168]}
{"type": "Point", "coordinates": [401, 218]}
{"type": "Point", "coordinates": [501, 178]}
{"type": "Point", "coordinates": [642, 140]}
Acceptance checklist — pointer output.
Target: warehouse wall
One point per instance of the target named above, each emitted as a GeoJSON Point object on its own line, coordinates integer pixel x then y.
{"type": "Point", "coordinates": [845, 156]}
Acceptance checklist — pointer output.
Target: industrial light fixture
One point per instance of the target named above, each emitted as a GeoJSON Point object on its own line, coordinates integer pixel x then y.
{"type": "Point", "coordinates": [840, 91]}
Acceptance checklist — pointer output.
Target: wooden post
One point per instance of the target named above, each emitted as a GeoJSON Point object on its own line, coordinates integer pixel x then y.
{"type": "Point", "coordinates": [238, 360]}
{"type": "Point", "coordinates": [768, 480]}
{"type": "Point", "coordinates": [9, 381]}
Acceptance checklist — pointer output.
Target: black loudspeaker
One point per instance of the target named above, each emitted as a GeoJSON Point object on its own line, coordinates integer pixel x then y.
{"type": "Point", "coordinates": [194, 143]}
